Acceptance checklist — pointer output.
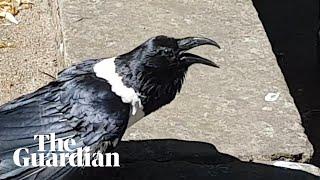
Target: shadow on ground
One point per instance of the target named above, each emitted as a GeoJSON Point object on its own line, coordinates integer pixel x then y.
{"type": "Point", "coordinates": [292, 27]}
{"type": "Point", "coordinates": [176, 159]}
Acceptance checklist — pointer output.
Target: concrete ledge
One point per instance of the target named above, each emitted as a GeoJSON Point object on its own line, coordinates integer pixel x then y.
{"type": "Point", "coordinates": [225, 107]}
{"type": "Point", "coordinates": [176, 159]}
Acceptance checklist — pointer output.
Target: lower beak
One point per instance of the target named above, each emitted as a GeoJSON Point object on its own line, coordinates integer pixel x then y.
{"type": "Point", "coordinates": [192, 42]}
{"type": "Point", "coordinates": [189, 59]}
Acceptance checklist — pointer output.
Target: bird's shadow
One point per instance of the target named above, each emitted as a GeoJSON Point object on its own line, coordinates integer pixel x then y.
{"type": "Point", "coordinates": [177, 159]}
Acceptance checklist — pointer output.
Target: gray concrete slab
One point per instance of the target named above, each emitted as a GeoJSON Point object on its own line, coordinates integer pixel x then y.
{"type": "Point", "coordinates": [224, 107]}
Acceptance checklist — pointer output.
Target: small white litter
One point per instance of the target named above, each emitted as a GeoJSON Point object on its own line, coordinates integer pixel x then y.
{"type": "Point", "coordinates": [271, 97]}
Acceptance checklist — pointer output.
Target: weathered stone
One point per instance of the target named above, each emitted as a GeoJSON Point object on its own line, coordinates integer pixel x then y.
{"type": "Point", "coordinates": [298, 166]}
{"type": "Point", "coordinates": [226, 106]}
{"type": "Point", "coordinates": [34, 52]}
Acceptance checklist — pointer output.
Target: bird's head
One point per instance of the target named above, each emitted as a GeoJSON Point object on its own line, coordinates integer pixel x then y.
{"type": "Point", "coordinates": [162, 53]}
{"type": "Point", "coordinates": [157, 67]}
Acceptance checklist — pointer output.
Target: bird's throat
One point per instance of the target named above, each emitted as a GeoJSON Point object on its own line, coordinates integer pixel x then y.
{"type": "Point", "coordinates": [106, 69]}
{"type": "Point", "coordinates": [145, 89]}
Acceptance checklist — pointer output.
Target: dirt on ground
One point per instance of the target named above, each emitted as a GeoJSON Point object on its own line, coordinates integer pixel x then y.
{"type": "Point", "coordinates": [31, 54]}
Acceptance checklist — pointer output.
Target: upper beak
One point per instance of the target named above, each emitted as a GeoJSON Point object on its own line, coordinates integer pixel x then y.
{"type": "Point", "coordinates": [192, 42]}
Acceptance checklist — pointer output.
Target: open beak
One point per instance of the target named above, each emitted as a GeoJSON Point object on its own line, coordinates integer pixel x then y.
{"type": "Point", "coordinates": [188, 43]}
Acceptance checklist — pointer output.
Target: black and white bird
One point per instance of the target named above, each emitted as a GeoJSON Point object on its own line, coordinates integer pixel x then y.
{"type": "Point", "coordinates": [95, 101]}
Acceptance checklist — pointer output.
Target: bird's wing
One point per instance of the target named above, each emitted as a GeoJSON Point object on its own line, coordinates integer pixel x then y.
{"type": "Point", "coordinates": [78, 105]}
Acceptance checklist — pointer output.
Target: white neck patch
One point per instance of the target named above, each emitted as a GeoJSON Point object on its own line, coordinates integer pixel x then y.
{"type": "Point", "coordinates": [106, 69]}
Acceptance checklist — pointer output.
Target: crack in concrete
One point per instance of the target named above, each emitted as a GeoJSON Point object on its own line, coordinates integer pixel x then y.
{"type": "Point", "coordinates": [55, 10]}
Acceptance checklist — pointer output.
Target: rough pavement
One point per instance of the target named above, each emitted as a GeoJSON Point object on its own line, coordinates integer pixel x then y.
{"type": "Point", "coordinates": [224, 108]}
{"type": "Point", "coordinates": [34, 52]}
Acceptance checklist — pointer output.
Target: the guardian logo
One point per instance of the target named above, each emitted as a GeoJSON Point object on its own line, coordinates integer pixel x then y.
{"type": "Point", "coordinates": [62, 154]}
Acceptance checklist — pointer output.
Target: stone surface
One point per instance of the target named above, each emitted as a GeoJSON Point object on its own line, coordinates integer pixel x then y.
{"type": "Point", "coordinates": [298, 166]}
{"type": "Point", "coordinates": [185, 160]}
{"type": "Point", "coordinates": [34, 52]}
{"type": "Point", "coordinates": [225, 107]}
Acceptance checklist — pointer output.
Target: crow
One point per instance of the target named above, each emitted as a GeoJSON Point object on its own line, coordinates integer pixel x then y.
{"type": "Point", "coordinates": [95, 101]}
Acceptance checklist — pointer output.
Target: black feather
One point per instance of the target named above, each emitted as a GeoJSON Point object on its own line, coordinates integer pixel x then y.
{"type": "Point", "coordinates": [75, 105]}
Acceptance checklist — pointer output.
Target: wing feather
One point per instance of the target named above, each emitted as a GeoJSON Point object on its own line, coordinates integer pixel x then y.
{"type": "Point", "coordinates": [77, 105]}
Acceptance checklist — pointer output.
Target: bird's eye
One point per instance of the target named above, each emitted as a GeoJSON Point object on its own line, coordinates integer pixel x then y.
{"type": "Point", "coordinates": [168, 52]}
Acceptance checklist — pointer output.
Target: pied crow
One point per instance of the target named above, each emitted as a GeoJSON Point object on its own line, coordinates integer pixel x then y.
{"type": "Point", "coordinates": [93, 102]}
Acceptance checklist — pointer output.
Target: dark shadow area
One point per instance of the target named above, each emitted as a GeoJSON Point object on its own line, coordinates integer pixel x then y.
{"type": "Point", "coordinates": [176, 159]}
{"type": "Point", "coordinates": [292, 28]}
